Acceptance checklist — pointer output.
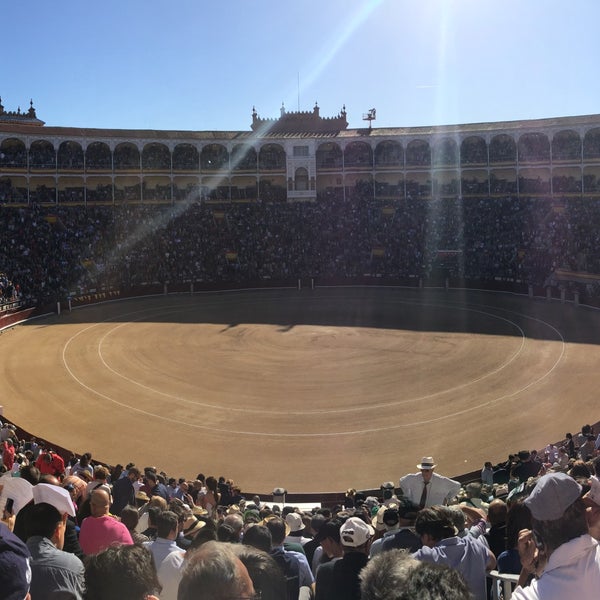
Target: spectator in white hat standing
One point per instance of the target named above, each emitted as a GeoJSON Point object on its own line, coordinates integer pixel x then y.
{"type": "Point", "coordinates": [427, 488]}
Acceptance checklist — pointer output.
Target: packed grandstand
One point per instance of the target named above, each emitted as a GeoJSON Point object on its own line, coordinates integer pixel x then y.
{"type": "Point", "coordinates": [87, 215]}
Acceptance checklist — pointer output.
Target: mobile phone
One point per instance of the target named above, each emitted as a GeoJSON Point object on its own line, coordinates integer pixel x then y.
{"type": "Point", "coordinates": [9, 505]}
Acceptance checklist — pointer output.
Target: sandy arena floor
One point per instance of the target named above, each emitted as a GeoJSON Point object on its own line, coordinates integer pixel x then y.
{"type": "Point", "coordinates": [314, 391]}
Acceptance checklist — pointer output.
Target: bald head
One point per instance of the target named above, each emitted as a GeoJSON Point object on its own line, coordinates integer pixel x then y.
{"type": "Point", "coordinates": [49, 479]}
{"type": "Point", "coordinates": [99, 503]}
{"type": "Point", "coordinates": [236, 522]}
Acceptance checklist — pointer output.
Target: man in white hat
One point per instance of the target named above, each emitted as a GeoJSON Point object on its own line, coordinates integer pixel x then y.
{"type": "Point", "coordinates": [427, 488]}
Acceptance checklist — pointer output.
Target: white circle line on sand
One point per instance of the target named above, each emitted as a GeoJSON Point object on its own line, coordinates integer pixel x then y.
{"type": "Point", "coordinates": [313, 435]}
{"type": "Point", "coordinates": [326, 411]}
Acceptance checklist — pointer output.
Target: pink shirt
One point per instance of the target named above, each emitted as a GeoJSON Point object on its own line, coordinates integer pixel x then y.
{"type": "Point", "coordinates": [98, 533]}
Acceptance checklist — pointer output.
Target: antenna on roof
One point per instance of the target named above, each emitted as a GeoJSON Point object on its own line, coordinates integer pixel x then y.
{"type": "Point", "coordinates": [370, 116]}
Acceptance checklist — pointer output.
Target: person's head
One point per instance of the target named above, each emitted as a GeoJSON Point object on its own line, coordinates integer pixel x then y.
{"type": "Point", "coordinates": [267, 577]}
{"type": "Point", "coordinates": [225, 533]}
{"type": "Point", "coordinates": [426, 466]}
{"type": "Point", "coordinates": [121, 572]}
{"type": "Point", "coordinates": [580, 469]}
{"type": "Point", "coordinates": [30, 473]}
{"type": "Point", "coordinates": [558, 514]}
{"type": "Point", "coordinates": [99, 503]}
{"type": "Point", "coordinates": [214, 572]}
{"type": "Point", "coordinates": [167, 525]}
{"type": "Point", "coordinates": [133, 474]}
{"type": "Point", "coordinates": [457, 516]}
{"type": "Point", "coordinates": [46, 521]}
{"type": "Point", "coordinates": [101, 473]}
{"type": "Point", "coordinates": [395, 575]}
{"type": "Point", "coordinates": [356, 535]}
{"type": "Point", "coordinates": [153, 512]}
{"type": "Point", "coordinates": [329, 538]}
{"type": "Point", "coordinates": [316, 522]}
{"type": "Point", "coordinates": [518, 518]}
{"type": "Point", "coordinates": [206, 534]}
{"type": "Point", "coordinates": [497, 512]}
{"type": "Point", "coordinates": [84, 461]}
{"type": "Point", "coordinates": [473, 489]}
{"type": "Point", "coordinates": [259, 537]}
{"type": "Point", "coordinates": [15, 569]}
{"type": "Point", "coordinates": [433, 524]}
{"type": "Point", "coordinates": [158, 502]}
{"type": "Point", "coordinates": [49, 479]}
{"type": "Point", "coordinates": [236, 522]}
{"type": "Point", "coordinates": [276, 525]}
{"type": "Point", "coordinates": [130, 517]}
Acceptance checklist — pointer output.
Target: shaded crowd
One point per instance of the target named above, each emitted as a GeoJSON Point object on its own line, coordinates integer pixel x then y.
{"type": "Point", "coordinates": [51, 253]}
{"type": "Point", "coordinates": [79, 529]}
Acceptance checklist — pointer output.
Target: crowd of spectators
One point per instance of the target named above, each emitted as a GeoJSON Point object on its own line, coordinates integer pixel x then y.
{"type": "Point", "coordinates": [8, 291]}
{"type": "Point", "coordinates": [535, 516]}
{"type": "Point", "coordinates": [54, 252]}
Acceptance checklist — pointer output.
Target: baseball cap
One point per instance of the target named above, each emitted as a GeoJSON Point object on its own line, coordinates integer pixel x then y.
{"type": "Point", "coordinates": [552, 495]}
{"type": "Point", "coordinates": [592, 498]}
{"type": "Point", "coordinates": [15, 570]}
{"type": "Point", "coordinates": [355, 532]}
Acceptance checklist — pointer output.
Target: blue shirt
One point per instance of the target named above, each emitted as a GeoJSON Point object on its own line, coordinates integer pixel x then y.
{"type": "Point", "coordinates": [467, 555]}
{"type": "Point", "coordinates": [54, 572]}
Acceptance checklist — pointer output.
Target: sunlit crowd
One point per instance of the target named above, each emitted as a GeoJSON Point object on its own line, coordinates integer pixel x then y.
{"type": "Point", "coordinates": [73, 527]}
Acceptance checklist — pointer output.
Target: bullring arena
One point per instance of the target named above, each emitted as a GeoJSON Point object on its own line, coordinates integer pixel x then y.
{"type": "Point", "coordinates": [311, 390]}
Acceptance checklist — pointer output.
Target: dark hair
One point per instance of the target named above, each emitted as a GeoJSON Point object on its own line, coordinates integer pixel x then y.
{"type": "Point", "coordinates": [206, 534]}
{"type": "Point", "coordinates": [166, 522]}
{"type": "Point", "coordinates": [580, 469]}
{"type": "Point", "coordinates": [317, 522]}
{"type": "Point", "coordinates": [42, 520]}
{"type": "Point", "coordinates": [435, 522]}
{"type": "Point", "coordinates": [259, 537]}
{"type": "Point", "coordinates": [123, 571]}
{"type": "Point", "coordinates": [153, 513]}
{"type": "Point", "coordinates": [276, 525]}
{"type": "Point", "coordinates": [130, 517]}
{"type": "Point", "coordinates": [518, 517]}
{"type": "Point", "coordinates": [266, 575]}
{"type": "Point", "coordinates": [211, 484]}
{"type": "Point", "coordinates": [331, 530]}
{"type": "Point", "coordinates": [225, 533]}
{"type": "Point", "coordinates": [30, 473]}
{"type": "Point", "coordinates": [497, 511]}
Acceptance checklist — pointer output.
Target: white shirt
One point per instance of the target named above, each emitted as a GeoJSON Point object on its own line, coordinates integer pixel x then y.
{"type": "Point", "coordinates": [439, 491]}
{"type": "Point", "coordinates": [169, 574]}
{"type": "Point", "coordinates": [573, 570]}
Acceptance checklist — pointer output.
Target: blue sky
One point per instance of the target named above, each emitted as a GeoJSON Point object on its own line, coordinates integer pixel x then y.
{"type": "Point", "coordinates": [201, 65]}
